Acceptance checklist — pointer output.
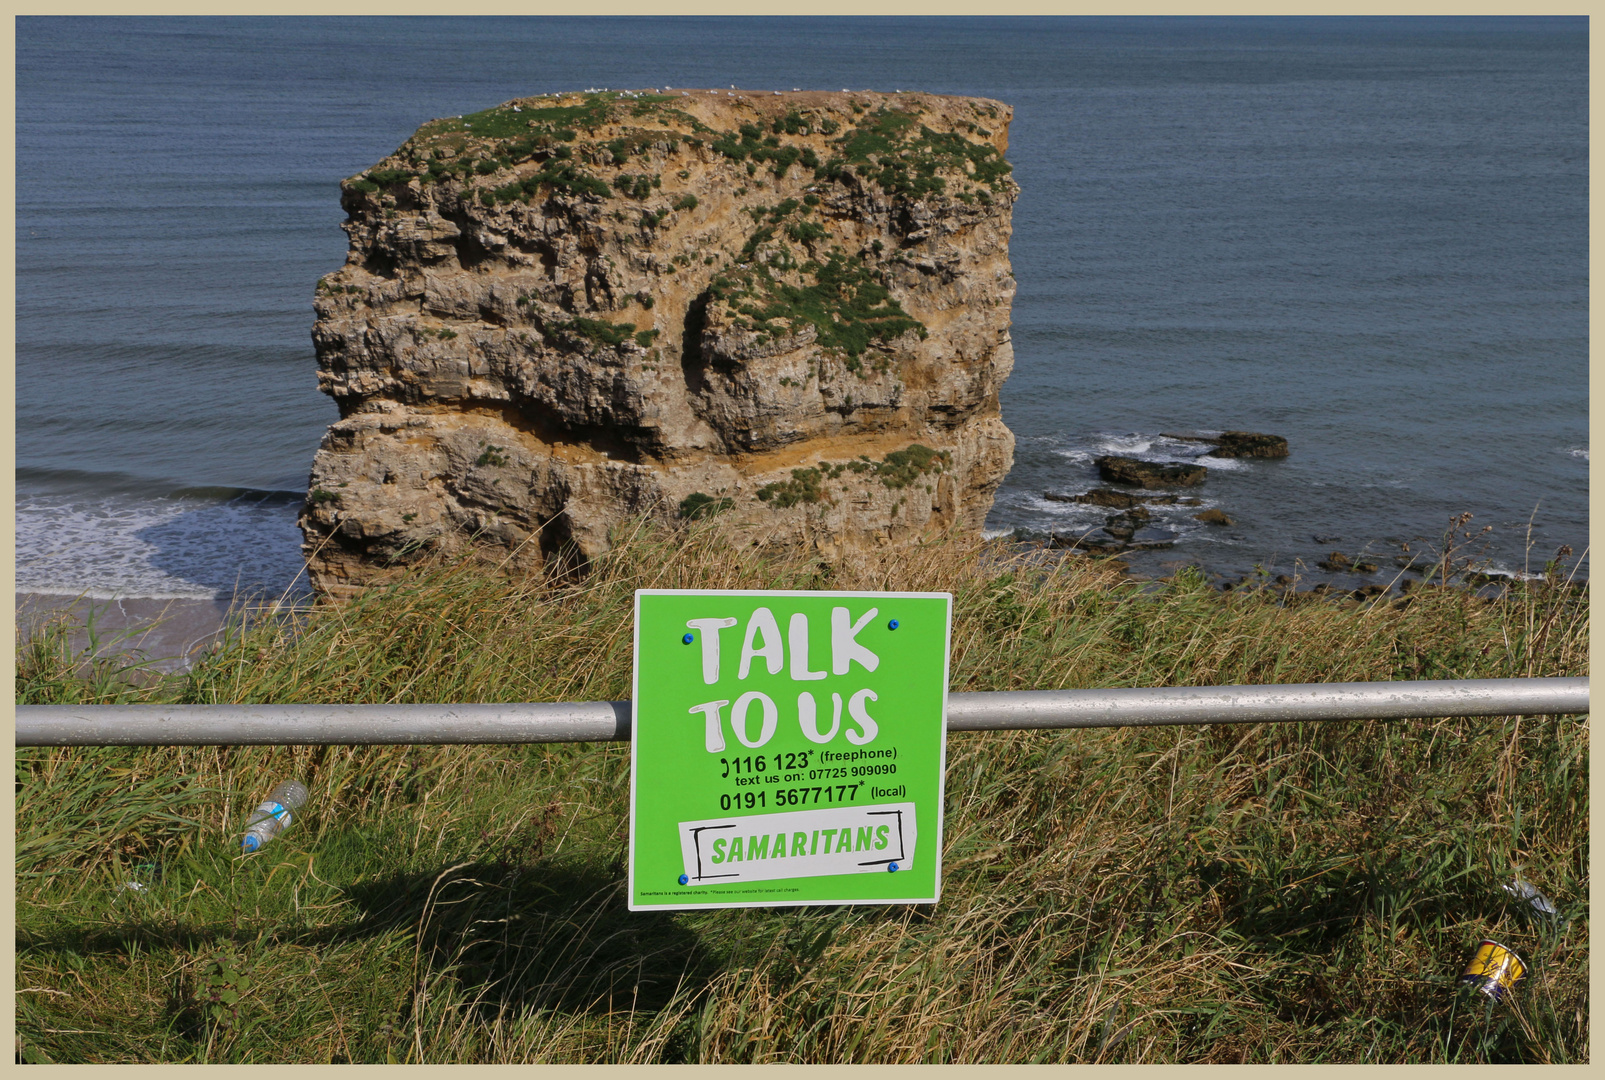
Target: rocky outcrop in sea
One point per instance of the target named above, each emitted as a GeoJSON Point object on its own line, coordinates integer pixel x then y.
{"type": "Point", "coordinates": [566, 312]}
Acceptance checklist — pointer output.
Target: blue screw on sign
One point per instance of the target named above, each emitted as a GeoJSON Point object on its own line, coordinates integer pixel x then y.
{"type": "Point", "coordinates": [892, 625]}
{"type": "Point", "coordinates": [688, 639]}
{"type": "Point", "coordinates": [684, 880]}
{"type": "Point", "coordinates": [891, 868]}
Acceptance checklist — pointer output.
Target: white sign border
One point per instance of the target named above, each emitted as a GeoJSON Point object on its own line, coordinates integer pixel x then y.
{"type": "Point", "coordinates": [941, 774]}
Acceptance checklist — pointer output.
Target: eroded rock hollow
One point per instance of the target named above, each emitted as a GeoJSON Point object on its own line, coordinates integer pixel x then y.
{"type": "Point", "coordinates": [566, 312]}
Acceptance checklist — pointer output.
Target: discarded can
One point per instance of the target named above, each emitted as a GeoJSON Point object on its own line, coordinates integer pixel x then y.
{"type": "Point", "coordinates": [1493, 970]}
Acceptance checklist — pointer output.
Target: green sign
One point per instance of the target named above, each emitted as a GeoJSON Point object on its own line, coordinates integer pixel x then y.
{"type": "Point", "coordinates": [788, 748]}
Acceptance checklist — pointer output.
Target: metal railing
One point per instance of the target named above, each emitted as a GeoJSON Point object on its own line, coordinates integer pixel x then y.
{"type": "Point", "coordinates": [609, 721]}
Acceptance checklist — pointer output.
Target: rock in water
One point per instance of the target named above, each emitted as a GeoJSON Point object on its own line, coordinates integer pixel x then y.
{"type": "Point", "coordinates": [1236, 444]}
{"type": "Point", "coordinates": [564, 312]}
{"type": "Point", "coordinates": [1148, 474]}
{"type": "Point", "coordinates": [1337, 562]}
{"type": "Point", "coordinates": [1123, 526]}
{"type": "Point", "coordinates": [1122, 500]}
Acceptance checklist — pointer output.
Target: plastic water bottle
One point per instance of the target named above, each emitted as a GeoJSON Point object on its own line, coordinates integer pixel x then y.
{"type": "Point", "coordinates": [274, 815]}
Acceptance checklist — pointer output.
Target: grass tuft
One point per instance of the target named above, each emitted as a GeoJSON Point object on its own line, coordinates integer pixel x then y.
{"type": "Point", "coordinates": [1271, 893]}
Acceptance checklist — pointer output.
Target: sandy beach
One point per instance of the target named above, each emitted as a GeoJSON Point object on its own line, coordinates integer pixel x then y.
{"type": "Point", "coordinates": [168, 632]}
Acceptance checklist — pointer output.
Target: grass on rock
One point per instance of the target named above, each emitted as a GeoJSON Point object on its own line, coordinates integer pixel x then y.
{"type": "Point", "coordinates": [1267, 893]}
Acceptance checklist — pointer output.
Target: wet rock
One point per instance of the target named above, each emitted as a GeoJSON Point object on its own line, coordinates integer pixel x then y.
{"type": "Point", "coordinates": [1241, 444]}
{"type": "Point", "coordinates": [1151, 534]}
{"type": "Point", "coordinates": [1117, 500]}
{"type": "Point", "coordinates": [1214, 517]}
{"type": "Point", "coordinates": [1339, 563]}
{"type": "Point", "coordinates": [1149, 474]}
{"type": "Point", "coordinates": [1096, 557]}
{"type": "Point", "coordinates": [1095, 544]}
{"type": "Point", "coordinates": [1234, 444]}
{"type": "Point", "coordinates": [1124, 526]}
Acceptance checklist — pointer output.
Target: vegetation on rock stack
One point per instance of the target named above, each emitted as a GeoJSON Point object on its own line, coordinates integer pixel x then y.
{"type": "Point", "coordinates": [840, 298]}
{"type": "Point", "coordinates": [910, 165]}
{"type": "Point", "coordinates": [486, 142]}
{"type": "Point", "coordinates": [898, 469]}
{"type": "Point", "coordinates": [714, 292]}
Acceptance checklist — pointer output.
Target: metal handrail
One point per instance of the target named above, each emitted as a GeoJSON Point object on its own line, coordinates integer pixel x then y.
{"type": "Point", "coordinates": [609, 721]}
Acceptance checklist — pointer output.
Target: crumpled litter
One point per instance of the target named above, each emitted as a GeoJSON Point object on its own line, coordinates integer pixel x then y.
{"type": "Point", "coordinates": [134, 885]}
{"type": "Point", "coordinates": [1523, 889]}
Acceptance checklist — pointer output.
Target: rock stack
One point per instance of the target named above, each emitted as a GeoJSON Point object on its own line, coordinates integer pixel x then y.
{"type": "Point", "coordinates": [565, 312]}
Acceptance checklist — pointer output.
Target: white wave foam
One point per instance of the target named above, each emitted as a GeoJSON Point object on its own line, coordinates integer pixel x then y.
{"type": "Point", "coordinates": [166, 549]}
{"type": "Point", "coordinates": [1499, 570]}
{"type": "Point", "coordinates": [111, 594]}
{"type": "Point", "coordinates": [1124, 445]}
{"type": "Point", "coordinates": [1576, 452]}
{"type": "Point", "coordinates": [1063, 510]}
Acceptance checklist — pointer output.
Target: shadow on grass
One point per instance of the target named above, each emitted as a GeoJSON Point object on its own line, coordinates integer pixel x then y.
{"type": "Point", "coordinates": [539, 936]}
{"type": "Point", "coordinates": [496, 938]}
{"type": "Point", "coordinates": [1324, 927]}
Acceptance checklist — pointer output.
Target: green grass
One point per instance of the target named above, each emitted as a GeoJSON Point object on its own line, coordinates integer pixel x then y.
{"type": "Point", "coordinates": [844, 300]}
{"type": "Point", "coordinates": [906, 165]}
{"type": "Point", "coordinates": [700, 504]}
{"type": "Point", "coordinates": [901, 468]}
{"type": "Point", "coordinates": [488, 141]}
{"type": "Point", "coordinates": [750, 142]}
{"type": "Point", "coordinates": [597, 331]}
{"type": "Point", "coordinates": [559, 175]}
{"type": "Point", "coordinates": [890, 147]}
{"type": "Point", "coordinates": [803, 487]}
{"type": "Point", "coordinates": [897, 469]}
{"type": "Point", "coordinates": [1265, 893]}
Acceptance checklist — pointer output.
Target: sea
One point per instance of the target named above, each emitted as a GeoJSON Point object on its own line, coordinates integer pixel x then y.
{"type": "Point", "coordinates": [1366, 235]}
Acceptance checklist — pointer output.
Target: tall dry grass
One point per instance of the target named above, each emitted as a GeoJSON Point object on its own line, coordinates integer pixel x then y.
{"type": "Point", "coordinates": [1264, 893]}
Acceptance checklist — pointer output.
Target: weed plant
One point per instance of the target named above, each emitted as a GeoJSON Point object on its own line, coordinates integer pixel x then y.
{"type": "Point", "coordinates": [849, 308]}
{"type": "Point", "coordinates": [906, 166]}
{"type": "Point", "coordinates": [1263, 893]}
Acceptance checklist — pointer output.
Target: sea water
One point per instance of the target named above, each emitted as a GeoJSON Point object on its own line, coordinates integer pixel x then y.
{"type": "Point", "coordinates": [1366, 235]}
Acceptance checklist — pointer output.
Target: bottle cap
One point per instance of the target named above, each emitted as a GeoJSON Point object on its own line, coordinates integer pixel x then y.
{"type": "Point", "coordinates": [251, 842]}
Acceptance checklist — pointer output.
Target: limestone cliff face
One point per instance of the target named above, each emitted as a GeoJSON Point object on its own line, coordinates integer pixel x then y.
{"type": "Point", "coordinates": [565, 312]}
